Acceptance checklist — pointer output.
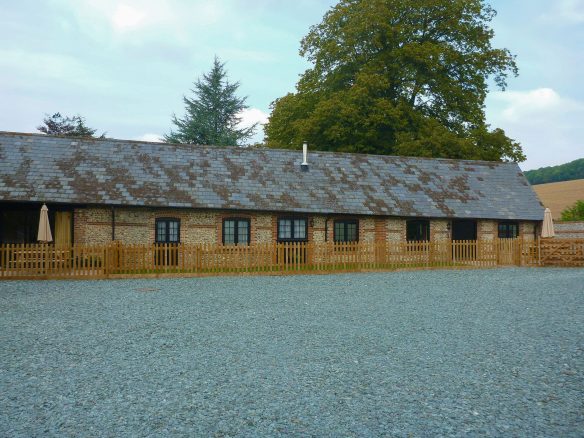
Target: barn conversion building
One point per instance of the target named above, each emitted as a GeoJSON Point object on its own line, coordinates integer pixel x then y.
{"type": "Point", "coordinates": [99, 190]}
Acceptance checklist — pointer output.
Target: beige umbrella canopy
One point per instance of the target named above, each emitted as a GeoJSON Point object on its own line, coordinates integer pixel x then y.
{"type": "Point", "coordinates": [547, 229]}
{"type": "Point", "coordinates": [44, 227]}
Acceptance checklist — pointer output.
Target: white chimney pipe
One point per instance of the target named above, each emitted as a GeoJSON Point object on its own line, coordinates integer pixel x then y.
{"type": "Point", "coordinates": [304, 154]}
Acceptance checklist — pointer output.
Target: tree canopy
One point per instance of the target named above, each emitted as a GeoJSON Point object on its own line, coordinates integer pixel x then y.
{"type": "Point", "coordinates": [398, 77]}
{"type": "Point", "coordinates": [67, 126]}
{"type": "Point", "coordinates": [563, 172]}
{"type": "Point", "coordinates": [212, 115]}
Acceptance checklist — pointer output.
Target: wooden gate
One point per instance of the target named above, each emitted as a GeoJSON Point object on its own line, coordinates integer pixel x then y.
{"type": "Point", "coordinates": [464, 251]}
{"type": "Point", "coordinates": [508, 252]}
{"type": "Point", "coordinates": [561, 252]}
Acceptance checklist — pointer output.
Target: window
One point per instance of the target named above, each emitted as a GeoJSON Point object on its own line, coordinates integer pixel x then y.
{"type": "Point", "coordinates": [346, 231]}
{"type": "Point", "coordinates": [418, 231]}
{"type": "Point", "coordinates": [508, 230]}
{"type": "Point", "coordinates": [292, 230]}
{"type": "Point", "coordinates": [167, 230]}
{"type": "Point", "coordinates": [236, 231]}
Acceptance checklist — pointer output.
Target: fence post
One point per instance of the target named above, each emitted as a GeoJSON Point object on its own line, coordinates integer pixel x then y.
{"type": "Point", "coordinates": [518, 261]}
{"type": "Point", "coordinates": [105, 261]}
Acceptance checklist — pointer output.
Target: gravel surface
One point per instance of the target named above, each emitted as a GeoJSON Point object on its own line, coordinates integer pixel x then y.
{"type": "Point", "coordinates": [495, 352]}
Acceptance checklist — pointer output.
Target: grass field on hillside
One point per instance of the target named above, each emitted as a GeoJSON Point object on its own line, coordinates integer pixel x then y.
{"type": "Point", "coordinates": [560, 195]}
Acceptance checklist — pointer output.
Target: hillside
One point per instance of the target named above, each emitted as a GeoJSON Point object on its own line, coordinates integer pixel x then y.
{"type": "Point", "coordinates": [563, 172]}
{"type": "Point", "coordinates": [559, 195]}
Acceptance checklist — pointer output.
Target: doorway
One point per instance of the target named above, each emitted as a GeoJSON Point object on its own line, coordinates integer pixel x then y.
{"type": "Point", "coordinates": [464, 229]}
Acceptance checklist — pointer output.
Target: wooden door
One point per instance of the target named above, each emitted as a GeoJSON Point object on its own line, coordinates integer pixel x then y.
{"type": "Point", "coordinates": [63, 228]}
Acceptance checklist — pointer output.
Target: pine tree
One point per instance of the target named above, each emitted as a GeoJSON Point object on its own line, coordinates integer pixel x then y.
{"type": "Point", "coordinates": [212, 114]}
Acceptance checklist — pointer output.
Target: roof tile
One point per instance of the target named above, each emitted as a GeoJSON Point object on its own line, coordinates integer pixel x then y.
{"type": "Point", "coordinates": [102, 171]}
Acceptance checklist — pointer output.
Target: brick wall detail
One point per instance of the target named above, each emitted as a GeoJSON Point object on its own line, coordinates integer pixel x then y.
{"type": "Point", "coordinates": [440, 230]}
{"type": "Point", "coordinates": [396, 230]}
{"type": "Point", "coordinates": [527, 231]}
{"type": "Point", "coordinates": [318, 229]}
{"type": "Point", "coordinates": [136, 225]}
{"type": "Point", "coordinates": [487, 229]}
{"type": "Point", "coordinates": [92, 226]}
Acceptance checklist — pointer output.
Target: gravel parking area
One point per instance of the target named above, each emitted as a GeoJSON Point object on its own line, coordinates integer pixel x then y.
{"type": "Point", "coordinates": [496, 352]}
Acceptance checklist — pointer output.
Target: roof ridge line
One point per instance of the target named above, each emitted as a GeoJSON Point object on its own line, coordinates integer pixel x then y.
{"type": "Point", "coordinates": [208, 146]}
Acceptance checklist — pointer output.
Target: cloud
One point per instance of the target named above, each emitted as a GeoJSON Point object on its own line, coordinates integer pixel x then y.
{"type": "Point", "coordinates": [249, 117]}
{"type": "Point", "coordinates": [253, 115]}
{"type": "Point", "coordinates": [127, 17]}
{"type": "Point", "coordinates": [41, 69]}
{"type": "Point", "coordinates": [566, 11]}
{"type": "Point", "coordinates": [571, 10]}
{"type": "Point", "coordinates": [548, 125]}
{"type": "Point", "coordinates": [170, 17]}
{"type": "Point", "coordinates": [157, 138]}
{"type": "Point", "coordinates": [541, 101]}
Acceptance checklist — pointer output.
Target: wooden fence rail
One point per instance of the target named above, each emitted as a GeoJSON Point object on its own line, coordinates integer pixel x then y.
{"type": "Point", "coordinates": [119, 260]}
{"type": "Point", "coordinates": [561, 252]}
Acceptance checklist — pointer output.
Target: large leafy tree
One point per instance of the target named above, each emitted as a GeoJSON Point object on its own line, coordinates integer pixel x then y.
{"type": "Point", "coordinates": [212, 114]}
{"type": "Point", "coordinates": [75, 126]}
{"type": "Point", "coordinates": [405, 77]}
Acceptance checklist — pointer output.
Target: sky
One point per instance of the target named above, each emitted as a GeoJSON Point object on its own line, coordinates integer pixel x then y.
{"type": "Point", "coordinates": [125, 65]}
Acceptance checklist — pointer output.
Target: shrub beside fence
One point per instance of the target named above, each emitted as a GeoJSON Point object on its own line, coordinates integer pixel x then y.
{"type": "Point", "coordinates": [119, 260]}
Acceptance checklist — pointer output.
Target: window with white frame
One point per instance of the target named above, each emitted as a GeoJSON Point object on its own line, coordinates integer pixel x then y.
{"type": "Point", "coordinates": [292, 230]}
{"type": "Point", "coordinates": [236, 231]}
{"type": "Point", "coordinates": [167, 230]}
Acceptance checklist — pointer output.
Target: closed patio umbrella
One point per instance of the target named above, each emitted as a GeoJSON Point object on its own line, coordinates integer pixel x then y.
{"type": "Point", "coordinates": [44, 234]}
{"type": "Point", "coordinates": [547, 229]}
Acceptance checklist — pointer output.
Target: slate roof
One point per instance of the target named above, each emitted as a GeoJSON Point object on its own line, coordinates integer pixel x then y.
{"type": "Point", "coordinates": [36, 167]}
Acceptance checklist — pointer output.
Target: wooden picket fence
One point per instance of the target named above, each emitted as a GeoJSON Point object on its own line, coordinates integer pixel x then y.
{"type": "Point", "coordinates": [117, 260]}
